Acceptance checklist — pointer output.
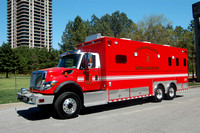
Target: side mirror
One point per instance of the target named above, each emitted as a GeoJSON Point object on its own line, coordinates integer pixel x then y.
{"type": "Point", "coordinates": [89, 65]}
{"type": "Point", "coordinates": [88, 62]}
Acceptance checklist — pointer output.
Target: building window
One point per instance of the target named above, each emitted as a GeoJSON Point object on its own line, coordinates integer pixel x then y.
{"type": "Point", "coordinates": [177, 62]}
{"type": "Point", "coordinates": [170, 61]}
{"type": "Point", "coordinates": [122, 59]}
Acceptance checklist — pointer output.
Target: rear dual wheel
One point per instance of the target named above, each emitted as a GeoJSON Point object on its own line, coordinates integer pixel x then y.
{"type": "Point", "coordinates": [171, 92]}
{"type": "Point", "coordinates": [159, 94]}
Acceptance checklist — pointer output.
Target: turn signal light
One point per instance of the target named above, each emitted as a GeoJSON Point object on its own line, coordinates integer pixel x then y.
{"type": "Point", "coordinates": [66, 74]}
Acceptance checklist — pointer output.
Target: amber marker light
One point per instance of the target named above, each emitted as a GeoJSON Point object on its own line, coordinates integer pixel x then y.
{"type": "Point", "coordinates": [66, 74]}
{"type": "Point", "coordinates": [52, 84]}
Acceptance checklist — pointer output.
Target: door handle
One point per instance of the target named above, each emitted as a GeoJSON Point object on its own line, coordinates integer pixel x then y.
{"type": "Point", "coordinates": [96, 77]}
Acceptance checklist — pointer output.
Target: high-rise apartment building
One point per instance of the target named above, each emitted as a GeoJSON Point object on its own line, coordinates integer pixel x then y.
{"type": "Point", "coordinates": [30, 23]}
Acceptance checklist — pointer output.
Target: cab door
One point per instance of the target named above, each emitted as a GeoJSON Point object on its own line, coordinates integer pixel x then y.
{"type": "Point", "coordinates": [89, 72]}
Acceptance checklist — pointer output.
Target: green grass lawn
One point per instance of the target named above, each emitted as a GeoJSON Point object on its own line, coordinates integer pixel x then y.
{"type": "Point", "coordinates": [8, 92]}
{"type": "Point", "coordinates": [193, 84]}
{"type": "Point", "coordinates": [7, 88]}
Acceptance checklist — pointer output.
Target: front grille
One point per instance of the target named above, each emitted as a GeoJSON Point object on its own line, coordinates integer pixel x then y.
{"type": "Point", "coordinates": [37, 79]}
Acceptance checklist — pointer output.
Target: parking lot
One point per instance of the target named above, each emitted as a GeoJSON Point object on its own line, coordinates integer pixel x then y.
{"type": "Point", "coordinates": [179, 115]}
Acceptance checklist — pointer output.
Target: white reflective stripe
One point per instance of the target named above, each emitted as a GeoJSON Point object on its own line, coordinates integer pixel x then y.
{"type": "Point", "coordinates": [80, 79]}
{"type": "Point", "coordinates": [142, 76]}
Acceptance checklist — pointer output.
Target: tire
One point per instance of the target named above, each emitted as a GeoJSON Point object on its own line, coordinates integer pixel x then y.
{"type": "Point", "coordinates": [171, 92]}
{"type": "Point", "coordinates": [67, 105]}
{"type": "Point", "coordinates": [159, 94]}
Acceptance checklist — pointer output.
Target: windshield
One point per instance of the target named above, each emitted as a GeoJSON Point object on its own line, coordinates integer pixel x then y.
{"type": "Point", "coordinates": [69, 61]}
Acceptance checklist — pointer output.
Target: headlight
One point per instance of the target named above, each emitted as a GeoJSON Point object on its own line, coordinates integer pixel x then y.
{"type": "Point", "coordinates": [48, 85]}
{"type": "Point", "coordinates": [25, 91]}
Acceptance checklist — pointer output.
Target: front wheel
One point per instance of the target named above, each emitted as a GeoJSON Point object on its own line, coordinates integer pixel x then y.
{"type": "Point", "coordinates": [67, 105]}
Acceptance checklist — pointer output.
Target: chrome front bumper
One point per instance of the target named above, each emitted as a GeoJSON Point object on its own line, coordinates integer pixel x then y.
{"type": "Point", "coordinates": [34, 98]}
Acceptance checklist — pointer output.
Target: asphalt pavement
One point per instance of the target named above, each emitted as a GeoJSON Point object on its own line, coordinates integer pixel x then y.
{"type": "Point", "coordinates": [181, 115]}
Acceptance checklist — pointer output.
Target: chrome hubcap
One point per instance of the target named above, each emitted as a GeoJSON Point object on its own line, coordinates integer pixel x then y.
{"type": "Point", "coordinates": [159, 93]}
{"type": "Point", "coordinates": [171, 92]}
{"type": "Point", "coordinates": [69, 106]}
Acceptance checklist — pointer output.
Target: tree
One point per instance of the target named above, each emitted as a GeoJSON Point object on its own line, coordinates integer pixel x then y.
{"type": "Point", "coordinates": [8, 59]}
{"type": "Point", "coordinates": [155, 29]}
{"type": "Point", "coordinates": [75, 32]}
{"type": "Point", "coordinates": [101, 25]}
{"type": "Point", "coordinates": [121, 25]}
{"type": "Point", "coordinates": [115, 25]}
{"type": "Point", "coordinates": [31, 59]}
{"type": "Point", "coordinates": [24, 54]}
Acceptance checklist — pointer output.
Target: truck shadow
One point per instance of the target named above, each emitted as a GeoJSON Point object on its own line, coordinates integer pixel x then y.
{"type": "Point", "coordinates": [35, 113]}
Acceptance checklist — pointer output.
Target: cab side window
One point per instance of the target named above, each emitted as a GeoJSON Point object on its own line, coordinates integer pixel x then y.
{"type": "Point", "coordinates": [92, 60]}
{"type": "Point", "coordinates": [82, 66]}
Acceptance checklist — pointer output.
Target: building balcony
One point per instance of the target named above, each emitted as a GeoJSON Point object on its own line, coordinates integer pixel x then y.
{"type": "Point", "coordinates": [22, 7]}
{"type": "Point", "coordinates": [22, 15]}
{"type": "Point", "coordinates": [22, 44]}
{"type": "Point", "coordinates": [22, 26]}
{"type": "Point", "coordinates": [38, 16]}
{"type": "Point", "coordinates": [22, 40]}
{"type": "Point", "coordinates": [26, 19]}
{"type": "Point", "coordinates": [22, 31]}
{"type": "Point", "coordinates": [9, 36]}
{"type": "Point", "coordinates": [22, 2]}
{"type": "Point", "coordinates": [8, 2]}
{"type": "Point", "coordinates": [9, 39]}
{"type": "Point", "coordinates": [22, 23]}
{"type": "Point", "coordinates": [8, 22]}
{"type": "Point", "coordinates": [38, 6]}
{"type": "Point", "coordinates": [22, 11]}
{"type": "Point", "coordinates": [41, 23]}
{"type": "Point", "coordinates": [9, 27]}
{"type": "Point", "coordinates": [9, 18]}
{"type": "Point", "coordinates": [8, 11]}
{"type": "Point", "coordinates": [22, 35]}
{"type": "Point", "coordinates": [9, 14]}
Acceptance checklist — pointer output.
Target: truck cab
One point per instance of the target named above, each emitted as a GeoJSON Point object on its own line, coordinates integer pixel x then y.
{"type": "Point", "coordinates": [77, 72]}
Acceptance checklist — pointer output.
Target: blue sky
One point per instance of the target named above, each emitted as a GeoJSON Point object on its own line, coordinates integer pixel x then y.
{"type": "Point", "coordinates": [179, 12]}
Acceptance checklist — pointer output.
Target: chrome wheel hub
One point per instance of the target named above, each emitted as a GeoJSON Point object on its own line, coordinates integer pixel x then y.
{"type": "Point", "coordinates": [171, 92]}
{"type": "Point", "coordinates": [69, 106]}
{"type": "Point", "coordinates": [159, 93]}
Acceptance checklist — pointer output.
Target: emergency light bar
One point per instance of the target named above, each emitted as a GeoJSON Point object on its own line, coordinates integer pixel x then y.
{"type": "Point", "coordinates": [70, 52]}
{"type": "Point", "coordinates": [93, 37]}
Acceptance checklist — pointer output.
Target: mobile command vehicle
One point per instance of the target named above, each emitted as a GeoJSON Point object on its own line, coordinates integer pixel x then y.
{"type": "Point", "coordinates": [106, 70]}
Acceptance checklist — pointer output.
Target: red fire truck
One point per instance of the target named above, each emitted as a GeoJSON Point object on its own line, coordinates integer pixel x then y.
{"type": "Point", "coordinates": [106, 70]}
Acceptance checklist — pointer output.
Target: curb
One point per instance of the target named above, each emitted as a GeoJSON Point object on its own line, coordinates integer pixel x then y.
{"type": "Point", "coordinates": [195, 86]}
{"type": "Point", "coordinates": [8, 105]}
